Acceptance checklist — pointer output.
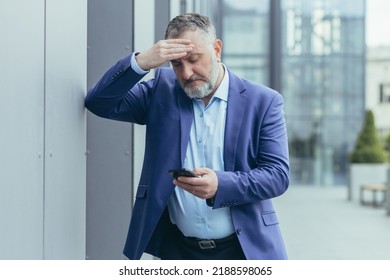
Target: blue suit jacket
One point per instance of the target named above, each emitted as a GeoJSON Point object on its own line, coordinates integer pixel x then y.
{"type": "Point", "coordinates": [255, 155]}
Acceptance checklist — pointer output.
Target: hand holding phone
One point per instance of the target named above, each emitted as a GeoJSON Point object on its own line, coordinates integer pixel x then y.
{"type": "Point", "coordinates": [206, 188]}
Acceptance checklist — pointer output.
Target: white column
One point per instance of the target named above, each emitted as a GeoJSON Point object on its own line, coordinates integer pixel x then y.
{"type": "Point", "coordinates": [42, 146]}
{"type": "Point", "coordinates": [65, 129]}
{"type": "Point", "coordinates": [22, 128]}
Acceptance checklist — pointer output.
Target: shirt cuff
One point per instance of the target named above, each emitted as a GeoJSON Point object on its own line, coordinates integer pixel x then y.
{"type": "Point", "coordinates": [134, 65]}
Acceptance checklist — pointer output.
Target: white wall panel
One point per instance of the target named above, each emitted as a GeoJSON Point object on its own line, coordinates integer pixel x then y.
{"type": "Point", "coordinates": [42, 129]}
{"type": "Point", "coordinates": [65, 135]}
{"type": "Point", "coordinates": [21, 128]}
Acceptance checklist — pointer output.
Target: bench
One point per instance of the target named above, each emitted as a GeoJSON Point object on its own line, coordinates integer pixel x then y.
{"type": "Point", "coordinates": [376, 201]}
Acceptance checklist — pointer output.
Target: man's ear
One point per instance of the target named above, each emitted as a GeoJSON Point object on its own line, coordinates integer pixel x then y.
{"type": "Point", "coordinates": [218, 49]}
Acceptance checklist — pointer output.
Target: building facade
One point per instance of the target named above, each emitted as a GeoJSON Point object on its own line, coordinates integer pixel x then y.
{"type": "Point", "coordinates": [378, 87]}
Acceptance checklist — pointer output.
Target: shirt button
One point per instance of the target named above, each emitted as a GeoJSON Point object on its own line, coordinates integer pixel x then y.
{"type": "Point", "coordinates": [201, 115]}
{"type": "Point", "coordinates": [203, 220]}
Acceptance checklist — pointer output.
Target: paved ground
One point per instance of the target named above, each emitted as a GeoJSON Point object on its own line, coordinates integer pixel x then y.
{"type": "Point", "coordinates": [318, 223]}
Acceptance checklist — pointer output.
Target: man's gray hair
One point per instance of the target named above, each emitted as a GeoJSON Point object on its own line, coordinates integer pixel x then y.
{"type": "Point", "coordinates": [190, 22]}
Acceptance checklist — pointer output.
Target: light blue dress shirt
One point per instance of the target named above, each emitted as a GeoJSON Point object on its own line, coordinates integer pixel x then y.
{"type": "Point", "coordinates": [205, 149]}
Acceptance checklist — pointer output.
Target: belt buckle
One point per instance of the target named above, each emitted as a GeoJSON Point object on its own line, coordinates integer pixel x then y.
{"type": "Point", "coordinates": [207, 244]}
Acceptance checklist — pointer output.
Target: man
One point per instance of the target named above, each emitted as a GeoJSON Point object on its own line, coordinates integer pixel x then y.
{"type": "Point", "coordinates": [201, 116]}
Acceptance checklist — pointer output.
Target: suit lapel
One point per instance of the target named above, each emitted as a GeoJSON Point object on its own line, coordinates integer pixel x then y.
{"type": "Point", "coordinates": [234, 118]}
{"type": "Point", "coordinates": [186, 119]}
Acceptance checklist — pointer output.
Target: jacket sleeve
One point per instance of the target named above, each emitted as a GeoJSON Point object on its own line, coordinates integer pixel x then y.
{"type": "Point", "coordinates": [118, 95]}
{"type": "Point", "coordinates": [270, 177]}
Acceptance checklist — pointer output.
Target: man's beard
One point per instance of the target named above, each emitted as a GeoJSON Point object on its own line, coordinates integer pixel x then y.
{"type": "Point", "coordinates": [206, 87]}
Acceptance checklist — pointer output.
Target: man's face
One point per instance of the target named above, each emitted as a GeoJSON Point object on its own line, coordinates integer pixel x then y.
{"type": "Point", "coordinates": [198, 72]}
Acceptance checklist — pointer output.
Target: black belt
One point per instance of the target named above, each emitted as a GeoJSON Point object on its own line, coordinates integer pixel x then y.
{"type": "Point", "coordinates": [213, 243]}
{"type": "Point", "coordinates": [206, 244]}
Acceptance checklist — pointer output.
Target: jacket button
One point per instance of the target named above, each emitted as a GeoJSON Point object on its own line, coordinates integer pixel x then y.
{"type": "Point", "coordinates": [238, 231]}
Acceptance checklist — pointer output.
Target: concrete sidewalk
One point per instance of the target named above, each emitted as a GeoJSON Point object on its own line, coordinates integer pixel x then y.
{"type": "Point", "coordinates": [318, 223]}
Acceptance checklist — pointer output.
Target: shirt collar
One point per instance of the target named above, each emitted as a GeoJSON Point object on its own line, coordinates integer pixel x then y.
{"type": "Point", "coordinates": [223, 89]}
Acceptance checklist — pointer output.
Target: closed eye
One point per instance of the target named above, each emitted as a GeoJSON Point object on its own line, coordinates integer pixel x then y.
{"type": "Point", "coordinates": [175, 63]}
{"type": "Point", "coordinates": [193, 58]}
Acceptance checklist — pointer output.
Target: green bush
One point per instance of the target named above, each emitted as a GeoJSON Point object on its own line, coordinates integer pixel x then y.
{"type": "Point", "coordinates": [387, 146]}
{"type": "Point", "coordinates": [368, 148]}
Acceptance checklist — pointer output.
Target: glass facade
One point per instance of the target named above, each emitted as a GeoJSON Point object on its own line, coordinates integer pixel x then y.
{"type": "Point", "coordinates": [323, 65]}
{"type": "Point", "coordinates": [245, 34]}
{"type": "Point", "coordinates": [317, 48]}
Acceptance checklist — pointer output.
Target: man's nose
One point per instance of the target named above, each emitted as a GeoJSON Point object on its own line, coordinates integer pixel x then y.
{"type": "Point", "coordinates": [187, 71]}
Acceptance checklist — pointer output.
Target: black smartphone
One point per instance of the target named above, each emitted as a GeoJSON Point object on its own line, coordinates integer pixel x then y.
{"type": "Point", "coordinates": [175, 173]}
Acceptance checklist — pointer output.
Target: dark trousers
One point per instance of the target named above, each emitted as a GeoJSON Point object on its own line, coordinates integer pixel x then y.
{"type": "Point", "coordinates": [176, 246]}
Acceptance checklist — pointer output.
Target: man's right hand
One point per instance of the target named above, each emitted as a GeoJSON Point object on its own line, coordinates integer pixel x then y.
{"type": "Point", "coordinates": [163, 51]}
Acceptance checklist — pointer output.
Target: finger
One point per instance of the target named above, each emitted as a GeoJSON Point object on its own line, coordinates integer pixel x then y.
{"type": "Point", "coordinates": [174, 56]}
{"type": "Point", "coordinates": [175, 44]}
{"type": "Point", "coordinates": [178, 41]}
{"type": "Point", "coordinates": [178, 46]}
{"type": "Point", "coordinates": [189, 188]}
{"type": "Point", "coordinates": [191, 181]}
{"type": "Point", "coordinates": [182, 184]}
{"type": "Point", "coordinates": [179, 50]}
{"type": "Point", "coordinates": [202, 171]}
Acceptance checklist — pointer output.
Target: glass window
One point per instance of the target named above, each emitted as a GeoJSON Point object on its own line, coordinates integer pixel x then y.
{"type": "Point", "coordinates": [323, 85]}
{"type": "Point", "coordinates": [245, 34]}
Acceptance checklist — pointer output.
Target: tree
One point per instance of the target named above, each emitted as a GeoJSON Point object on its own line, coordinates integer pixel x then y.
{"type": "Point", "coordinates": [387, 145]}
{"type": "Point", "coordinates": [368, 148]}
